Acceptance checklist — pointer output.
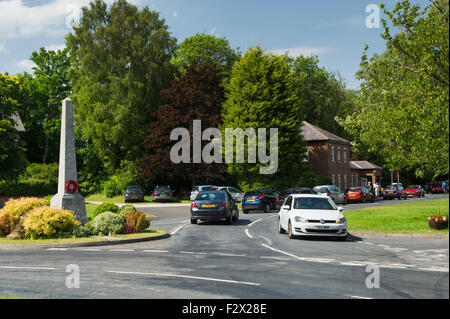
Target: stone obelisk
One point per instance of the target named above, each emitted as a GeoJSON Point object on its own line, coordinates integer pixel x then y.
{"type": "Point", "coordinates": [68, 198]}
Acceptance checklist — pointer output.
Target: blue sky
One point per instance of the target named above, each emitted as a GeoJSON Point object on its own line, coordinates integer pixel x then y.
{"type": "Point", "coordinates": [335, 30]}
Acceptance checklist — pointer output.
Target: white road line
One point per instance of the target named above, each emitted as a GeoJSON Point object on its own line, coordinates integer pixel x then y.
{"type": "Point", "coordinates": [120, 250]}
{"type": "Point", "coordinates": [88, 249]}
{"type": "Point", "coordinates": [228, 255]}
{"type": "Point", "coordinates": [155, 251]}
{"type": "Point", "coordinates": [192, 253]}
{"type": "Point", "coordinates": [185, 276]}
{"type": "Point", "coordinates": [283, 252]}
{"type": "Point", "coordinates": [30, 268]}
{"type": "Point", "coordinates": [173, 232]}
{"type": "Point", "coordinates": [254, 222]}
{"type": "Point", "coordinates": [56, 249]}
{"type": "Point", "coordinates": [269, 242]}
{"type": "Point", "coordinates": [271, 257]}
{"type": "Point", "coordinates": [435, 269]}
{"type": "Point", "coordinates": [352, 264]}
{"type": "Point", "coordinates": [248, 234]}
{"type": "Point", "coordinates": [358, 297]}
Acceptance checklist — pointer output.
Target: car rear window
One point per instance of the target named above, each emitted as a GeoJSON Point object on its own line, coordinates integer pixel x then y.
{"type": "Point", "coordinates": [413, 187]}
{"type": "Point", "coordinates": [212, 196]}
{"type": "Point", "coordinates": [252, 193]}
{"type": "Point", "coordinates": [322, 189]}
{"type": "Point", "coordinates": [354, 190]}
{"type": "Point", "coordinates": [313, 203]}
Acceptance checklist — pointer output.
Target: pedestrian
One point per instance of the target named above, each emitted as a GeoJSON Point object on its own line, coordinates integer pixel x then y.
{"type": "Point", "coordinates": [444, 186]}
{"type": "Point", "coordinates": [427, 188]}
{"type": "Point", "coordinates": [375, 187]}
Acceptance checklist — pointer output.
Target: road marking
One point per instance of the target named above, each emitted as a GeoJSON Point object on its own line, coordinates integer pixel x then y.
{"type": "Point", "coordinates": [173, 232]}
{"type": "Point", "coordinates": [120, 250]}
{"type": "Point", "coordinates": [185, 276]}
{"type": "Point", "coordinates": [285, 253]}
{"type": "Point", "coordinates": [277, 258]}
{"type": "Point", "coordinates": [88, 249]}
{"type": "Point", "coordinates": [247, 233]}
{"type": "Point", "coordinates": [351, 263]}
{"type": "Point", "coordinates": [266, 239]}
{"type": "Point", "coordinates": [254, 222]}
{"type": "Point", "coordinates": [56, 249]}
{"type": "Point", "coordinates": [30, 268]}
{"type": "Point", "coordinates": [155, 251]}
{"type": "Point", "coordinates": [192, 253]}
{"type": "Point", "coordinates": [228, 255]}
{"type": "Point", "coordinates": [435, 269]}
{"type": "Point", "coordinates": [358, 297]}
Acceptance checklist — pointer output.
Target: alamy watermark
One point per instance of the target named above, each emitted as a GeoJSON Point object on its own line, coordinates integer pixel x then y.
{"type": "Point", "coordinates": [73, 279]}
{"type": "Point", "coordinates": [373, 19]}
{"type": "Point", "coordinates": [373, 279]}
{"type": "Point", "coordinates": [212, 152]}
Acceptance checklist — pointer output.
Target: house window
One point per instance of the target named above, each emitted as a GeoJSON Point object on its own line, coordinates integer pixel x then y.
{"type": "Point", "coordinates": [333, 179]}
{"type": "Point", "coordinates": [345, 181]}
{"type": "Point", "coordinates": [332, 153]}
{"type": "Point", "coordinates": [345, 155]}
{"type": "Point", "coordinates": [339, 154]}
{"type": "Point", "coordinates": [339, 181]}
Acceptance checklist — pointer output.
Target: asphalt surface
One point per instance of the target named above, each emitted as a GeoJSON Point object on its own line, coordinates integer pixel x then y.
{"type": "Point", "coordinates": [248, 259]}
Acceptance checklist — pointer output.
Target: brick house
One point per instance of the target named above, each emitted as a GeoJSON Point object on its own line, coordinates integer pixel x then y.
{"type": "Point", "coordinates": [329, 155]}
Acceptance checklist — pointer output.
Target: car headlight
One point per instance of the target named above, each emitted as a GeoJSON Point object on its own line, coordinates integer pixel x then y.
{"type": "Point", "coordinates": [299, 219]}
{"type": "Point", "coordinates": [341, 221]}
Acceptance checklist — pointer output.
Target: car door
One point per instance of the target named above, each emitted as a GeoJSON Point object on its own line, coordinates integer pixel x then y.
{"type": "Point", "coordinates": [284, 213]}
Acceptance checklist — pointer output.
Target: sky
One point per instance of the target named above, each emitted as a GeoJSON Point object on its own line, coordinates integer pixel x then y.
{"type": "Point", "coordinates": [334, 30]}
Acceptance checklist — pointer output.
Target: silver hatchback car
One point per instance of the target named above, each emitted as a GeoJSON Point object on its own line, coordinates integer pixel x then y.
{"type": "Point", "coordinates": [333, 192]}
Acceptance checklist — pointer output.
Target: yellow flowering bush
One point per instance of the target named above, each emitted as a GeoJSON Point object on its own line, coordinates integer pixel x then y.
{"type": "Point", "coordinates": [14, 209]}
{"type": "Point", "coordinates": [47, 222]}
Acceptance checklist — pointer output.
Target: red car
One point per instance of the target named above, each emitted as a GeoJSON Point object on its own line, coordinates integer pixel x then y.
{"type": "Point", "coordinates": [437, 189]}
{"type": "Point", "coordinates": [359, 194]}
{"type": "Point", "coordinates": [415, 191]}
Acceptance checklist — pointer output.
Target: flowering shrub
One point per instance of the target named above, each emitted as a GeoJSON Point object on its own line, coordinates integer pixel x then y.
{"type": "Point", "coordinates": [108, 223]}
{"type": "Point", "coordinates": [438, 218]}
{"type": "Point", "coordinates": [135, 222]}
{"type": "Point", "coordinates": [105, 207]}
{"type": "Point", "coordinates": [14, 209]}
{"type": "Point", "coordinates": [127, 208]}
{"type": "Point", "coordinates": [47, 222]}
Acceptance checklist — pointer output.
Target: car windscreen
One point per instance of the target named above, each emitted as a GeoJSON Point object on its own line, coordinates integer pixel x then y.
{"type": "Point", "coordinates": [313, 203]}
{"type": "Point", "coordinates": [354, 190]}
{"type": "Point", "coordinates": [391, 188]}
{"type": "Point", "coordinates": [322, 189]}
{"type": "Point", "coordinates": [211, 196]}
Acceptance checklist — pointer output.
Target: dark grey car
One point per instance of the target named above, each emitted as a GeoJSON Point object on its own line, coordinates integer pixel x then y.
{"type": "Point", "coordinates": [214, 206]}
{"type": "Point", "coordinates": [134, 193]}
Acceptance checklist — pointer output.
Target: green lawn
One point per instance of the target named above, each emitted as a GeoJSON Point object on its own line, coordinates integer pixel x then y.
{"type": "Point", "coordinates": [399, 218]}
{"type": "Point", "coordinates": [121, 199]}
{"type": "Point", "coordinates": [147, 233]}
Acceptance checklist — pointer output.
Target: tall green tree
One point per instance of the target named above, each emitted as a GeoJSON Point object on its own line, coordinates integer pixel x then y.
{"type": "Point", "coordinates": [405, 91]}
{"type": "Point", "coordinates": [204, 49]}
{"type": "Point", "coordinates": [120, 59]}
{"type": "Point", "coordinates": [40, 109]}
{"type": "Point", "coordinates": [12, 156]}
{"type": "Point", "coordinates": [261, 94]}
{"type": "Point", "coordinates": [323, 95]}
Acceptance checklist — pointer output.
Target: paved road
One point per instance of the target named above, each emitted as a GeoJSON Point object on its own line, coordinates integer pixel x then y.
{"type": "Point", "coordinates": [248, 259]}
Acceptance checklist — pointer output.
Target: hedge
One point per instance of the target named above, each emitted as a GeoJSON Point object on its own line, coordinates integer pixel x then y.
{"type": "Point", "coordinates": [32, 187]}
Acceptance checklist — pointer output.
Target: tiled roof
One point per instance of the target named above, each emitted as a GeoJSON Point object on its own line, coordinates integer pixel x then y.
{"type": "Point", "coordinates": [313, 133]}
{"type": "Point", "coordinates": [363, 165]}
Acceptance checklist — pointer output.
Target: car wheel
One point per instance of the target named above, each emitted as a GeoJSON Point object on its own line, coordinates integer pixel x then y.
{"type": "Point", "coordinates": [193, 221]}
{"type": "Point", "coordinates": [236, 215]}
{"type": "Point", "coordinates": [371, 199]}
{"type": "Point", "coordinates": [229, 220]}
{"type": "Point", "coordinates": [280, 229]}
{"type": "Point", "coordinates": [344, 202]}
{"type": "Point", "coordinates": [290, 235]}
{"type": "Point", "coordinates": [245, 211]}
{"type": "Point", "coordinates": [364, 199]}
{"type": "Point", "coordinates": [267, 209]}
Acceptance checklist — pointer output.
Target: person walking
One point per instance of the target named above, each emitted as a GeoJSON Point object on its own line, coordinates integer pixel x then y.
{"type": "Point", "coordinates": [375, 188]}
{"type": "Point", "coordinates": [444, 186]}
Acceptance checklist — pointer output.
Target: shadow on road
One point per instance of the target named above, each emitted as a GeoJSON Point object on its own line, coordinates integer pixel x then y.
{"type": "Point", "coordinates": [240, 222]}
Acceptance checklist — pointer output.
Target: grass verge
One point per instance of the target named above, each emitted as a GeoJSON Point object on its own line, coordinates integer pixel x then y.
{"type": "Point", "coordinates": [147, 233]}
{"type": "Point", "coordinates": [405, 218]}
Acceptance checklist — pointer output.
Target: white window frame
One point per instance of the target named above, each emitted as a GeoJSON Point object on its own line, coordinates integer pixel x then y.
{"type": "Point", "coordinates": [339, 154]}
{"type": "Point", "coordinates": [332, 153]}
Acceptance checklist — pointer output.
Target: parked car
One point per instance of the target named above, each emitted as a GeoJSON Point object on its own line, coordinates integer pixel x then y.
{"type": "Point", "coordinates": [333, 192]}
{"type": "Point", "coordinates": [134, 193]}
{"type": "Point", "coordinates": [162, 193]}
{"type": "Point", "coordinates": [437, 189]}
{"type": "Point", "coordinates": [198, 189]}
{"type": "Point", "coordinates": [394, 191]}
{"type": "Point", "coordinates": [236, 193]}
{"type": "Point", "coordinates": [214, 206]}
{"type": "Point", "coordinates": [260, 199]}
{"type": "Point", "coordinates": [359, 194]}
{"type": "Point", "coordinates": [295, 190]}
{"type": "Point", "coordinates": [415, 191]}
{"type": "Point", "coordinates": [311, 215]}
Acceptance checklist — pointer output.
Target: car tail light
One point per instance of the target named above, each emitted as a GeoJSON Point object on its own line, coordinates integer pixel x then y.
{"type": "Point", "coordinates": [278, 199]}
{"type": "Point", "coordinates": [261, 196]}
{"type": "Point", "coordinates": [154, 193]}
{"type": "Point", "coordinates": [171, 193]}
{"type": "Point", "coordinates": [193, 205]}
{"type": "Point", "coordinates": [224, 205]}
{"type": "Point", "coordinates": [328, 193]}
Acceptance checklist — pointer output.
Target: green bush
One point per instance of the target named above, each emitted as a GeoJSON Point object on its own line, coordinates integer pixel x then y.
{"type": "Point", "coordinates": [108, 223]}
{"type": "Point", "coordinates": [47, 172]}
{"type": "Point", "coordinates": [127, 208]}
{"type": "Point", "coordinates": [47, 222]}
{"type": "Point", "coordinates": [117, 183]}
{"type": "Point", "coordinates": [32, 187]}
{"type": "Point", "coordinates": [105, 207]}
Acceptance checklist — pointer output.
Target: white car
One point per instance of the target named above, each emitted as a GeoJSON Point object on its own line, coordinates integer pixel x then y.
{"type": "Point", "coordinates": [311, 215]}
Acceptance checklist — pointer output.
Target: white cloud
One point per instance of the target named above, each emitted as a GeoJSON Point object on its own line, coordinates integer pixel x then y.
{"type": "Point", "coordinates": [306, 51]}
{"type": "Point", "coordinates": [175, 14]}
{"type": "Point", "coordinates": [27, 65]}
{"type": "Point", "coordinates": [55, 47]}
{"type": "Point", "coordinates": [20, 20]}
